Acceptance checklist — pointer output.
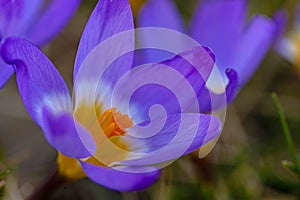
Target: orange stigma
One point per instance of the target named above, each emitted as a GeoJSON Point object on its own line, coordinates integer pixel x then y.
{"type": "Point", "coordinates": [114, 123]}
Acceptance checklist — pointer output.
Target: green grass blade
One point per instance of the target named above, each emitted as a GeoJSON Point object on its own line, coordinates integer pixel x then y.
{"type": "Point", "coordinates": [286, 132]}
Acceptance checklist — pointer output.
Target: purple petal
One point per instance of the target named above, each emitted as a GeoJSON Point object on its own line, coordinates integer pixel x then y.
{"type": "Point", "coordinates": [52, 20]}
{"type": "Point", "coordinates": [174, 84]}
{"type": "Point", "coordinates": [161, 13]}
{"type": "Point", "coordinates": [6, 72]}
{"type": "Point", "coordinates": [158, 13]}
{"type": "Point", "coordinates": [67, 136]}
{"type": "Point", "coordinates": [119, 180]}
{"type": "Point", "coordinates": [11, 13]}
{"type": "Point", "coordinates": [217, 24]}
{"type": "Point", "coordinates": [40, 84]}
{"type": "Point", "coordinates": [254, 43]}
{"type": "Point", "coordinates": [208, 100]}
{"type": "Point", "coordinates": [280, 19]}
{"type": "Point", "coordinates": [102, 69]}
{"type": "Point", "coordinates": [180, 134]}
{"type": "Point", "coordinates": [31, 11]}
{"type": "Point", "coordinates": [108, 18]}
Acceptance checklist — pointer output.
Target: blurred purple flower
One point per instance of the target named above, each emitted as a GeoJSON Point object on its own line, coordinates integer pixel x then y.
{"type": "Point", "coordinates": [219, 25]}
{"type": "Point", "coordinates": [288, 45]}
{"type": "Point", "coordinates": [114, 147]}
{"type": "Point", "coordinates": [35, 20]}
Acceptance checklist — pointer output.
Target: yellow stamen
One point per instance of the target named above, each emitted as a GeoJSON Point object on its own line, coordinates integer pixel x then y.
{"type": "Point", "coordinates": [69, 167]}
{"type": "Point", "coordinates": [109, 124]}
{"type": "Point", "coordinates": [113, 123]}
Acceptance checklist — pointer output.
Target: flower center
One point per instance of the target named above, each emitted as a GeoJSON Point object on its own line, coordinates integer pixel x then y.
{"type": "Point", "coordinates": [114, 123]}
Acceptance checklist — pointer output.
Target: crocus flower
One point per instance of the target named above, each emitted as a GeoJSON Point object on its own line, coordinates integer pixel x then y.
{"type": "Point", "coordinates": [35, 20]}
{"type": "Point", "coordinates": [219, 25]}
{"type": "Point", "coordinates": [122, 149]}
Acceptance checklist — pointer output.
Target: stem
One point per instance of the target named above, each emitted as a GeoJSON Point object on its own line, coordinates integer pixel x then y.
{"type": "Point", "coordinates": [44, 192]}
{"type": "Point", "coordinates": [286, 132]}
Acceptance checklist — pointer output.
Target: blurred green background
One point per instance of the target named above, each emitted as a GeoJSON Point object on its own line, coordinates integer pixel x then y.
{"type": "Point", "coordinates": [245, 163]}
